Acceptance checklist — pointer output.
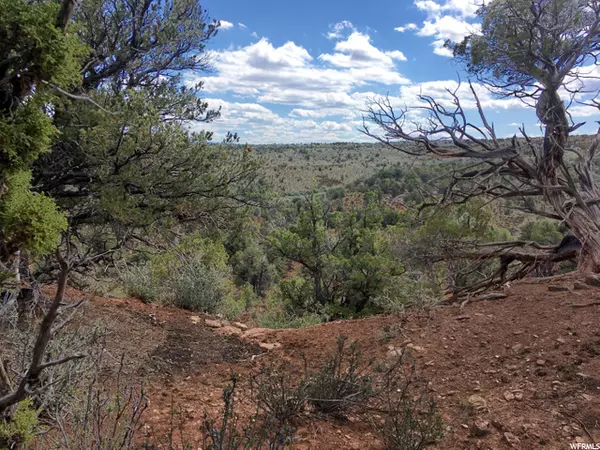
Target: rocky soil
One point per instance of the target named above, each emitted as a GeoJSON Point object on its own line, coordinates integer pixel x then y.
{"type": "Point", "coordinates": [518, 369]}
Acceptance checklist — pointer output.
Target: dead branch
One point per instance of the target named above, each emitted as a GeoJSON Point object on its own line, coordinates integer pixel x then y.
{"type": "Point", "coordinates": [584, 305]}
{"type": "Point", "coordinates": [44, 336]}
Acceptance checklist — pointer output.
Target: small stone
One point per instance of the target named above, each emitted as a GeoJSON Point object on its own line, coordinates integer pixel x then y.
{"type": "Point", "coordinates": [508, 396]}
{"type": "Point", "coordinates": [477, 401]}
{"type": "Point", "coordinates": [394, 352]}
{"type": "Point", "coordinates": [580, 286]}
{"type": "Point", "coordinates": [540, 362]}
{"type": "Point", "coordinates": [255, 332]}
{"type": "Point", "coordinates": [511, 439]}
{"type": "Point", "coordinates": [195, 319]}
{"type": "Point", "coordinates": [213, 323]}
{"type": "Point", "coordinates": [561, 340]}
{"type": "Point", "coordinates": [463, 317]}
{"type": "Point", "coordinates": [557, 288]}
{"type": "Point", "coordinates": [240, 325]}
{"type": "Point", "coordinates": [580, 440]}
{"type": "Point", "coordinates": [480, 428]}
{"type": "Point", "coordinates": [518, 395]}
{"type": "Point", "coordinates": [269, 345]}
{"type": "Point", "coordinates": [229, 330]}
{"type": "Point", "coordinates": [415, 348]}
{"type": "Point", "coordinates": [517, 348]}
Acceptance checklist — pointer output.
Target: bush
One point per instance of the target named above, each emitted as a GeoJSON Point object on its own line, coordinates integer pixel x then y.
{"type": "Point", "coordinates": [19, 430]}
{"type": "Point", "coordinates": [274, 313]}
{"type": "Point", "coordinates": [411, 420]}
{"type": "Point", "coordinates": [228, 432]}
{"type": "Point", "coordinates": [192, 275]}
{"type": "Point", "coordinates": [339, 385]}
{"type": "Point", "coordinates": [274, 393]}
{"type": "Point", "coordinates": [199, 288]}
{"type": "Point", "coordinates": [138, 282]}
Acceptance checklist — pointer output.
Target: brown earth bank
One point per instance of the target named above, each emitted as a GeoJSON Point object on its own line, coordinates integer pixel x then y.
{"type": "Point", "coordinates": [526, 367]}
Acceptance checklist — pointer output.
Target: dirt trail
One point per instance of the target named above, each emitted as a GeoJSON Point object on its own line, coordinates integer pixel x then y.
{"type": "Point", "coordinates": [528, 365]}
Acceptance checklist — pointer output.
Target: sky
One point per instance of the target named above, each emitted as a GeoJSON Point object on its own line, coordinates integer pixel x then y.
{"type": "Point", "coordinates": [303, 71]}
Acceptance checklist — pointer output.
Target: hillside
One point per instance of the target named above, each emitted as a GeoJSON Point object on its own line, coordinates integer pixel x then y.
{"type": "Point", "coordinates": [523, 368]}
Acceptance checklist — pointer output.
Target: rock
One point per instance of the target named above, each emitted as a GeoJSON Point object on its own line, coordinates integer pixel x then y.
{"type": "Point", "coordinates": [518, 395]}
{"type": "Point", "coordinates": [240, 325]}
{"type": "Point", "coordinates": [477, 402]}
{"type": "Point", "coordinates": [494, 296]}
{"type": "Point", "coordinates": [212, 323]}
{"type": "Point", "coordinates": [561, 340]}
{"type": "Point", "coordinates": [269, 345]}
{"type": "Point", "coordinates": [592, 280]}
{"type": "Point", "coordinates": [394, 352]}
{"type": "Point", "coordinates": [517, 348]}
{"type": "Point", "coordinates": [480, 428]}
{"type": "Point", "coordinates": [195, 319]}
{"type": "Point", "coordinates": [557, 288]}
{"type": "Point", "coordinates": [580, 286]}
{"type": "Point", "coordinates": [229, 330]}
{"type": "Point", "coordinates": [540, 362]}
{"type": "Point", "coordinates": [508, 396]}
{"type": "Point", "coordinates": [255, 333]}
{"type": "Point", "coordinates": [463, 317]}
{"type": "Point", "coordinates": [498, 425]}
{"type": "Point", "coordinates": [415, 348]}
{"type": "Point", "coordinates": [580, 440]}
{"type": "Point", "coordinates": [511, 439]}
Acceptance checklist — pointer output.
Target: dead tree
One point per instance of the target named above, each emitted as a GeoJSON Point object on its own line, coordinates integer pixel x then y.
{"type": "Point", "coordinates": [533, 50]}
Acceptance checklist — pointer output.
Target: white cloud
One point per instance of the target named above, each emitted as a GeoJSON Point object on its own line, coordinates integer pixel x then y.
{"type": "Point", "coordinates": [441, 91]}
{"type": "Point", "coordinates": [324, 112]}
{"type": "Point", "coordinates": [407, 27]}
{"type": "Point", "coordinates": [447, 20]}
{"type": "Point", "coordinates": [241, 25]}
{"type": "Point", "coordinates": [338, 30]}
{"type": "Point", "coordinates": [225, 25]}
{"type": "Point", "coordinates": [254, 35]}
{"type": "Point", "coordinates": [257, 124]}
{"type": "Point", "coordinates": [364, 61]}
{"type": "Point", "coordinates": [461, 8]}
{"type": "Point", "coordinates": [447, 28]}
{"type": "Point", "coordinates": [289, 75]}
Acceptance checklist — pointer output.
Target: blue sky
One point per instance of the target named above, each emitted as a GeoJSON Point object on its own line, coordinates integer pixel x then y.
{"type": "Point", "coordinates": [288, 71]}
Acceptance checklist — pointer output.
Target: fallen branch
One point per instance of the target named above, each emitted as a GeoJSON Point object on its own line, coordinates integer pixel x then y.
{"type": "Point", "coordinates": [584, 305]}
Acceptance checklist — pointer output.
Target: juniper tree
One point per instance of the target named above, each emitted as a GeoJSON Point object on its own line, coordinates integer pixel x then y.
{"type": "Point", "coordinates": [541, 52]}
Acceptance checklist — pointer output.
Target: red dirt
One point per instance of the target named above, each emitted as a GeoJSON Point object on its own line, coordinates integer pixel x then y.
{"type": "Point", "coordinates": [534, 343]}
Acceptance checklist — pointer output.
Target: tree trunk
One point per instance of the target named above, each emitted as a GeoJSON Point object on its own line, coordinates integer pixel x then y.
{"type": "Point", "coordinates": [580, 209]}
{"type": "Point", "coordinates": [319, 296]}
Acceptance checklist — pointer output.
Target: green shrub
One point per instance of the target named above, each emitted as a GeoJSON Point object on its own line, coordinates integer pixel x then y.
{"type": "Point", "coordinates": [192, 275]}
{"type": "Point", "coordinates": [138, 282]}
{"type": "Point", "coordinates": [20, 428]}
{"type": "Point", "coordinates": [199, 288]}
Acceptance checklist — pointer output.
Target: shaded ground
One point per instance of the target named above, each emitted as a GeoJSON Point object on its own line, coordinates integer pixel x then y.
{"type": "Point", "coordinates": [529, 364]}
